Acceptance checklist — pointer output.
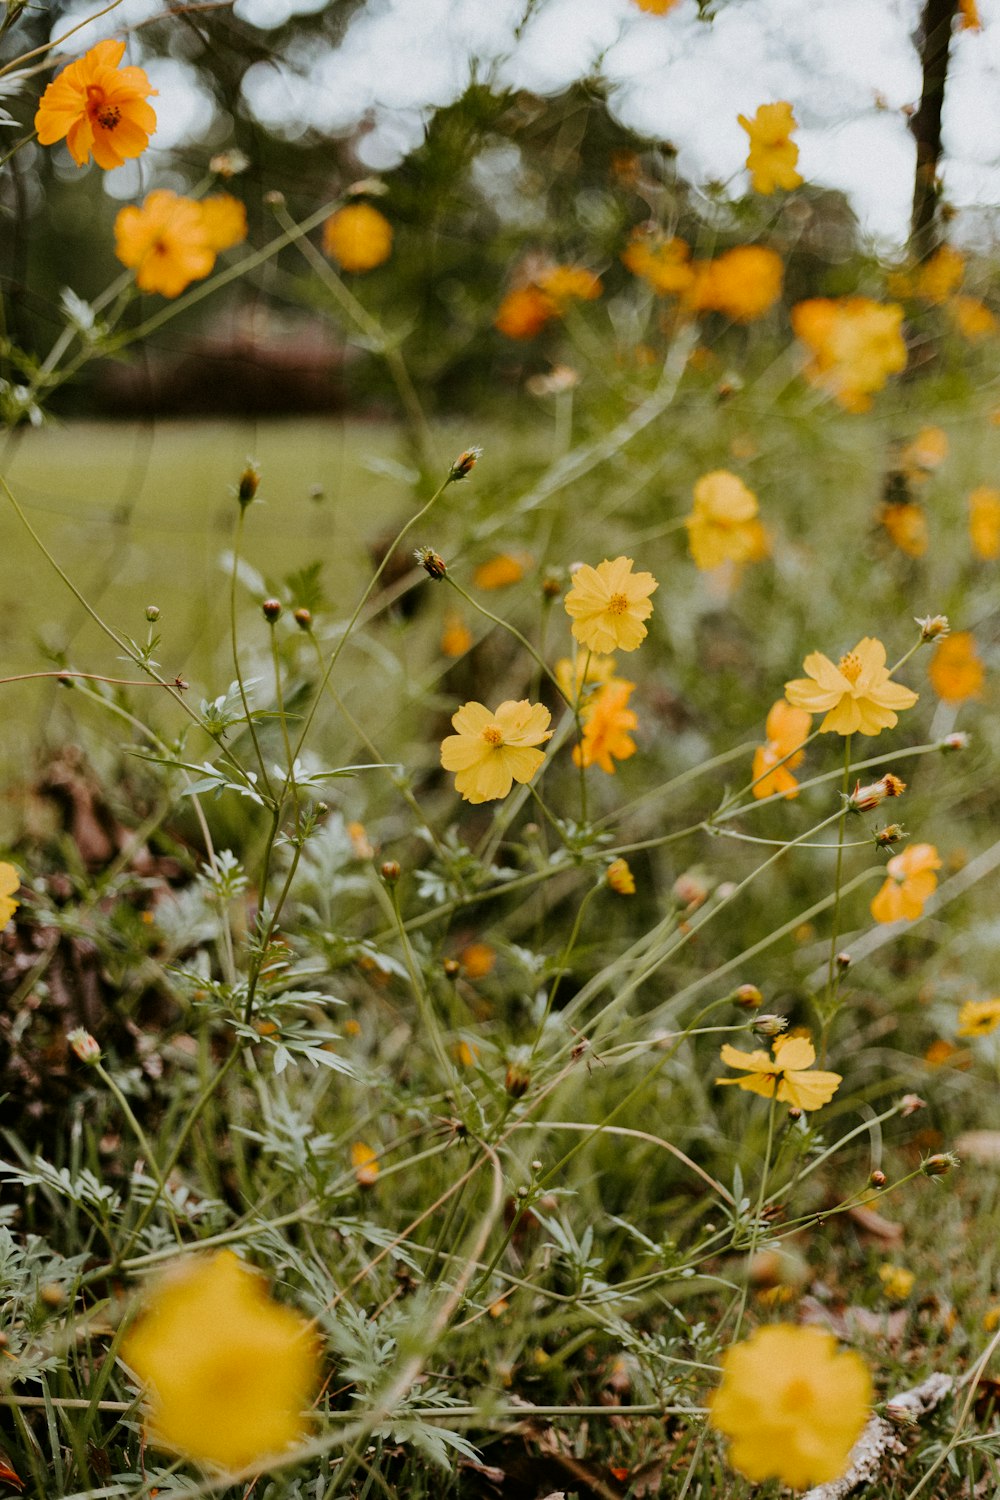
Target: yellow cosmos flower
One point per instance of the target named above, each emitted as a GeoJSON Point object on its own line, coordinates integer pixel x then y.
{"type": "Point", "coordinates": [978, 1018]}
{"type": "Point", "coordinates": [491, 751]}
{"type": "Point", "coordinates": [956, 669]}
{"type": "Point", "coordinates": [664, 264]}
{"type": "Point", "coordinates": [906, 525]}
{"type": "Point", "coordinates": [855, 344]}
{"type": "Point", "coordinates": [973, 319]}
{"type": "Point", "coordinates": [897, 1282]}
{"type": "Point", "coordinates": [229, 1370]}
{"type": "Point", "coordinates": [606, 722]}
{"type": "Point", "coordinates": [608, 604]}
{"type": "Point", "coordinates": [910, 882]}
{"type": "Point", "coordinates": [171, 240]}
{"type": "Point", "coordinates": [565, 284]}
{"type": "Point", "coordinates": [791, 1405]}
{"type": "Point", "coordinates": [10, 882]}
{"type": "Point", "coordinates": [858, 695]}
{"type": "Point", "coordinates": [787, 729]}
{"type": "Point", "coordinates": [743, 284]}
{"type": "Point", "coordinates": [773, 153]}
{"type": "Point", "coordinates": [723, 527]}
{"type": "Point", "coordinates": [99, 108]}
{"type": "Point", "coordinates": [787, 1077]}
{"type": "Point", "coordinates": [358, 237]}
{"type": "Point", "coordinates": [984, 522]}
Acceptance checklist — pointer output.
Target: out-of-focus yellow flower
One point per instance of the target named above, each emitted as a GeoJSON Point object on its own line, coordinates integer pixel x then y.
{"type": "Point", "coordinates": [791, 1404]}
{"type": "Point", "coordinates": [743, 284]}
{"type": "Point", "coordinates": [229, 1370]}
{"type": "Point", "coordinates": [991, 1319]}
{"type": "Point", "coordinates": [788, 1077]}
{"type": "Point", "coordinates": [523, 313]}
{"type": "Point", "coordinates": [456, 637]}
{"type": "Point", "coordinates": [584, 675]}
{"type": "Point", "coordinates": [358, 237]}
{"type": "Point", "coordinates": [500, 572]}
{"type": "Point", "coordinates": [99, 107]}
{"type": "Point", "coordinates": [665, 264]}
{"type": "Point", "coordinates": [608, 604]}
{"type": "Point", "coordinates": [956, 669]}
{"type": "Point", "coordinates": [773, 153]}
{"type": "Point", "coordinates": [478, 960]}
{"type": "Point", "coordinates": [984, 522]}
{"type": "Point", "coordinates": [620, 878]}
{"type": "Point", "coordinates": [972, 318]}
{"type": "Point", "coordinates": [655, 7]}
{"type": "Point", "coordinates": [565, 284]}
{"type": "Point", "coordinates": [940, 275]}
{"type": "Point", "coordinates": [466, 1054]}
{"type": "Point", "coordinates": [364, 1160]}
{"type": "Point", "coordinates": [724, 525]}
{"type": "Point", "coordinates": [361, 844]}
{"type": "Point", "coordinates": [906, 526]}
{"type": "Point", "coordinates": [171, 240]}
{"type": "Point", "coordinates": [968, 16]}
{"type": "Point", "coordinates": [897, 1282]}
{"type": "Point", "coordinates": [787, 729]}
{"type": "Point", "coordinates": [910, 882]}
{"type": "Point", "coordinates": [607, 719]}
{"type": "Point", "coordinates": [10, 882]}
{"type": "Point", "coordinates": [857, 695]}
{"type": "Point", "coordinates": [978, 1018]}
{"type": "Point", "coordinates": [926, 452]}
{"type": "Point", "coordinates": [855, 343]}
{"type": "Point", "coordinates": [490, 751]}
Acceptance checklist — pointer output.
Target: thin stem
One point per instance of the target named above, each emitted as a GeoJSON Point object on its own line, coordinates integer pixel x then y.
{"type": "Point", "coordinates": [265, 780]}
{"type": "Point", "coordinates": [522, 640]}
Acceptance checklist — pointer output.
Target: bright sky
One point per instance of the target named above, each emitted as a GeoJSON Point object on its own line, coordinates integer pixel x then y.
{"type": "Point", "coordinates": [848, 67]}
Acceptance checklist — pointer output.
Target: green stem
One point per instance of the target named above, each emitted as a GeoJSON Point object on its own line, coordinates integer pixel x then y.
{"type": "Point", "coordinates": [512, 630]}
{"type": "Point", "coordinates": [265, 779]}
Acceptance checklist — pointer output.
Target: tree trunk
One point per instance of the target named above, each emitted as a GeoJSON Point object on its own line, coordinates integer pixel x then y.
{"type": "Point", "coordinates": [933, 42]}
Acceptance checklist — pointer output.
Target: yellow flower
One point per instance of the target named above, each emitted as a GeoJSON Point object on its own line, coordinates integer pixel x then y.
{"type": "Point", "coordinates": [927, 451]}
{"type": "Point", "coordinates": [787, 729]}
{"type": "Point", "coordinates": [897, 1282]}
{"type": "Point", "coordinates": [991, 1319]}
{"type": "Point", "coordinates": [723, 527]}
{"type": "Point", "coordinates": [855, 343]}
{"type": "Point", "coordinates": [978, 1018]}
{"type": "Point", "coordinates": [940, 275]}
{"type": "Point", "coordinates": [791, 1404]}
{"type": "Point", "coordinates": [911, 881]}
{"type": "Point", "coordinates": [786, 1077]}
{"type": "Point", "coordinates": [171, 240]}
{"type": "Point", "coordinates": [743, 284]}
{"type": "Point", "coordinates": [565, 284]}
{"type": "Point", "coordinates": [523, 312]}
{"type": "Point", "coordinates": [580, 678]}
{"type": "Point", "coordinates": [493, 750]}
{"type": "Point", "coordinates": [956, 669]}
{"type": "Point", "coordinates": [500, 572]}
{"type": "Point", "coordinates": [606, 722]}
{"type": "Point", "coordinates": [478, 960]}
{"type": "Point", "coordinates": [456, 637]}
{"type": "Point", "coordinates": [10, 882]}
{"type": "Point", "coordinates": [229, 1370]}
{"type": "Point", "coordinates": [608, 604]}
{"type": "Point", "coordinates": [968, 12]}
{"type": "Point", "coordinates": [984, 522]}
{"type": "Point", "coordinates": [663, 263]}
{"type": "Point", "coordinates": [655, 7]}
{"type": "Point", "coordinates": [773, 153]}
{"type": "Point", "coordinates": [358, 237]}
{"type": "Point", "coordinates": [973, 318]}
{"type": "Point", "coordinates": [620, 878]}
{"type": "Point", "coordinates": [857, 695]}
{"type": "Point", "coordinates": [365, 1163]}
{"type": "Point", "coordinates": [99, 107]}
{"type": "Point", "coordinates": [906, 524]}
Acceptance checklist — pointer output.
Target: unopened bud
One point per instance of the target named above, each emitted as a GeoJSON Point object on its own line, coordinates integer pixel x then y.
{"type": "Point", "coordinates": [843, 961]}
{"type": "Point", "coordinates": [891, 834]}
{"type": "Point", "coordinates": [933, 627]}
{"type": "Point", "coordinates": [938, 1165]}
{"type": "Point", "coordinates": [152, 613]}
{"type": "Point", "coordinates": [795, 1113]}
{"type": "Point", "coordinates": [390, 871]}
{"type": "Point", "coordinates": [522, 1192]}
{"type": "Point", "coordinates": [878, 1179]}
{"type": "Point", "coordinates": [536, 1166]}
{"type": "Point", "coordinates": [956, 741]}
{"type": "Point", "coordinates": [689, 891]}
{"type": "Point", "coordinates": [620, 878]}
{"type": "Point", "coordinates": [249, 484]}
{"type": "Point", "coordinates": [85, 1046]}
{"type": "Point", "coordinates": [274, 198]}
{"type": "Point", "coordinates": [749, 997]}
{"type": "Point", "coordinates": [303, 619]}
{"type": "Point", "coordinates": [552, 586]}
{"type": "Point", "coordinates": [452, 968]}
{"type": "Point", "coordinates": [51, 1294]}
{"type": "Point", "coordinates": [272, 610]}
{"type": "Point", "coordinates": [910, 1103]}
{"type": "Point", "coordinates": [518, 1077]}
{"type": "Point", "coordinates": [432, 563]}
{"type": "Point", "coordinates": [770, 1025]}
{"type": "Point", "coordinates": [464, 464]}
{"type": "Point", "coordinates": [864, 798]}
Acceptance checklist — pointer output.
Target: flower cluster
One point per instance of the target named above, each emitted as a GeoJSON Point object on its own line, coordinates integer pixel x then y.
{"type": "Point", "coordinates": [742, 284]}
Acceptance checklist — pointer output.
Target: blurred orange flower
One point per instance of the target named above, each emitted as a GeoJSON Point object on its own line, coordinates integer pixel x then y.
{"type": "Point", "coordinates": [940, 275]}
{"type": "Point", "coordinates": [742, 284]}
{"type": "Point", "coordinates": [924, 453]}
{"type": "Point", "coordinates": [911, 881]}
{"type": "Point", "coordinates": [99, 108]}
{"type": "Point", "coordinates": [365, 1163]}
{"type": "Point", "coordinates": [655, 7]}
{"type": "Point", "coordinates": [620, 878]}
{"type": "Point", "coordinates": [500, 571]}
{"type": "Point", "coordinates": [956, 669]}
{"type": "Point", "coordinates": [608, 604]}
{"type": "Point", "coordinates": [773, 153]}
{"type": "Point", "coordinates": [906, 525]}
{"type": "Point", "coordinates": [358, 237]}
{"type": "Point", "coordinates": [10, 884]}
{"type": "Point", "coordinates": [607, 719]}
{"type": "Point", "coordinates": [478, 960]}
{"type": "Point", "coordinates": [972, 318]}
{"type": "Point", "coordinates": [582, 676]}
{"type": "Point", "coordinates": [566, 284]}
{"type": "Point", "coordinates": [855, 343]}
{"type": "Point", "coordinates": [984, 522]}
{"type": "Point", "coordinates": [523, 313]}
{"type": "Point", "coordinates": [787, 729]}
{"type": "Point", "coordinates": [456, 637]}
{"type": "Point", "coordinates": [663, 263]}
{"type": "Point", "coordinates": [171, 240]}
{"type": "Point", "coordinates": [724, 525]}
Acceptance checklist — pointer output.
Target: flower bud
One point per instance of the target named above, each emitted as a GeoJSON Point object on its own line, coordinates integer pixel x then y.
{"type": "Point", "coordinates": [432, 563]}
{"type": "Point", "coordinates": [938, 1165]}
{"type": "Point", "coordinates": [518, 1077]}
{"type": "Point", "coordinates": [891, 834]}
{"type": "Point", "coordinates": [390, 871]}
{"type": "Point", "coordinates": [552, 586]}
{"type": "Point", "coordinates": [464, 464]}
{"type": "Point", "coordinates": [272, 610]}
{"type": "Point", "coordinates": [690, 891]}
{"type": "Point", "coordinates": [933, 627]}
{"type": "Point", "coordinates": [620, 878]}
{"type": "Point", "coordinates": [303, 619]}
{"type": "Point", "coordinates": [864, 798]}
{"type": "Point", "coordinates": [956, 741]}
{"type": "Point", "coordinates": [878, 1179]}
{"type": "Point", "coordinates": [85, 1046]}
{"type": "Point", "coordinates": [770, 1025]}
{"type": "Point", "coordinates": [843, 962]}
{"type": "Point", "coordinates": [274, 198]}
{"type": "Point", "coordinates": [452, 968]}
{"type": "Point", "coordinates": [152, 613]}
{"type": "Point", "coordinates": [249, 483]}
{"type": "Point", "coordinates": [910, 1103]}
{"type": "Point", "coordinates": [749, 997]}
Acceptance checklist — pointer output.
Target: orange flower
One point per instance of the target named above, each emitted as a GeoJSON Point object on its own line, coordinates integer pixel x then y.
{"type": "Point", "coordinates": [855, 343]}
{"type": "Point", "coordinates": [927, 451]}
{"type": "Point", "coordinates": [723, 527]}
{"type": "Point", "coordinates": [171, 241]}
{"type": "Point", "coordinates": [606, 722]}
{"type": "Point", "coordinates": [906, 524]}
{"type": "Point", "coordinates": [500, 572]}
{"type": "Point", "coordinates": [663, 263]}
{"type": "Point", "coordinates": [478, 960]}
{"type": "Point", "coordinates": [972, 318]}
{"type": "Point", "coordinates": [787, 730]}
{"type": "Point", "coordinates": [773, 153]}
{"type": "Point", "coordinates": [358, 237]}
{"type": "Point", "coordinates": [911, 880]}
{"type": "Point", "coordinates": [956, 670]}
{"type": "Point", "coordinates": [99, 108]}
{"type": "Point", "coordinates": [655, 7]}
{"type": "Point", "coordinates": [456, 637]}
{"type": "Point", "coordinates": [620, 878]}
{"type": "Point", "coordinates": [984, 522]}
{"type": "Point", "coordinates": [365, 1163]}
{"type": "Point", "coordinates": [743, 284]}
{"type": "Point", "coordinates": [968, 13]}
{"type": "Point", "coordinates": [940, 275]}
{"type": "Point", "coordinates": [523, 313]}
{"type": "Point", "coordinates": [566, 284]}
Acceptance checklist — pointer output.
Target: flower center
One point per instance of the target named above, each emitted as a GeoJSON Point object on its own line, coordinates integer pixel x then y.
{"type": "Point", "coordinates": [850, 666]}
{"type": "Point", "coordinates": [492, 735]}
{"type": "Point", "coordinates": [617, 604]}
{"type": "Point", "coordinates": [797, 1395]}
{"type": "Point", "coordinates": [106, 115]}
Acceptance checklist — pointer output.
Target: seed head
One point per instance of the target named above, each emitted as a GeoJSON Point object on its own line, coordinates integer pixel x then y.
{"type": "Point", "coordinates": [464, 464]}
{"type": "Point", "coordinates": [933, 627]}
{"type": "Point", "coordinates": [432, 563]}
